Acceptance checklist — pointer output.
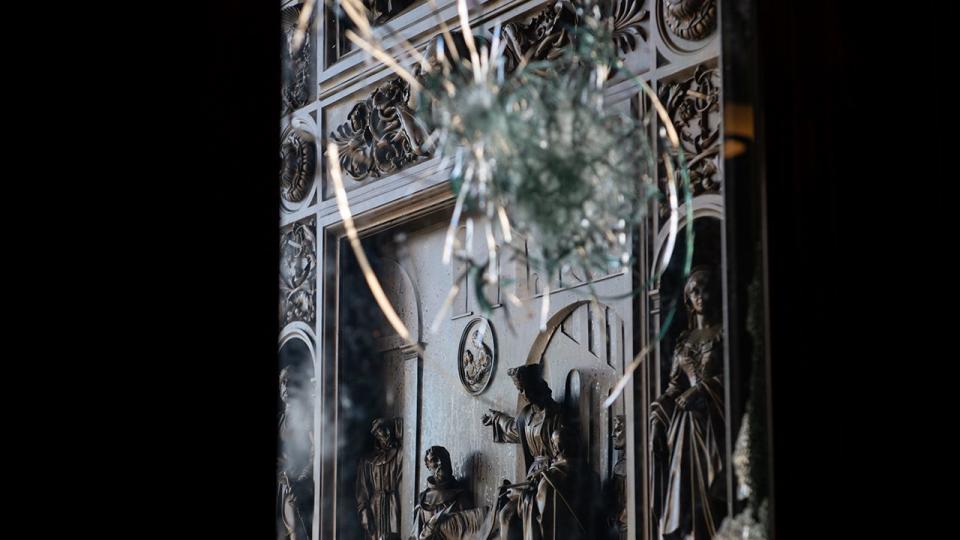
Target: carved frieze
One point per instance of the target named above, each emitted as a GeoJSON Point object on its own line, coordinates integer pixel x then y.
{"type": "Point", "coordinates": [693, 103]}
{"type": "Point", "coordinates": [546, 34]}
{"type": "Point", "coordinates": [692, 20]}
{"type": "Point", "coordinates": [296, 62]}
{"type": "Point", "coordinates": [298, 272]}
{"type": "Point", "coordinates": [298, 159]}
{"type": "Point", "coordinates": [381, 135]}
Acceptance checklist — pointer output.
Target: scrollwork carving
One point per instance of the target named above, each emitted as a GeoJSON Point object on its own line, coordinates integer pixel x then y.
{"type": "Point", "coordinates": [297, 164]}
{"type": "Point", "coordinates": [545, 35]}
{"type": "Point", "coordinates": [298, 273]}
{"type": "Point", "coordinates": [381, 134]}
{"type": "Point", "coordinates": [296, 63]}
{"type": "Point", "coordinates": [693, 104]}
{"type": "Point", "coordinates": [629, 17]}
{"type": "Point", "coordinates": [692, 20]}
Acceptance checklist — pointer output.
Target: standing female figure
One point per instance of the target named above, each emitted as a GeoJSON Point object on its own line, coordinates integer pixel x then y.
{"type": "Point", "coordinates": [687, 422]}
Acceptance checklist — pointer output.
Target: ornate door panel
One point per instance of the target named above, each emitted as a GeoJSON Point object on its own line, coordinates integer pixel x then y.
{"type": "Point", "coordinates": [437, 394]}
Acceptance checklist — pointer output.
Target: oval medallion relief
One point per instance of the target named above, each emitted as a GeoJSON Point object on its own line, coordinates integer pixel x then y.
{"type": "Point", "coordinates": [477, 356]}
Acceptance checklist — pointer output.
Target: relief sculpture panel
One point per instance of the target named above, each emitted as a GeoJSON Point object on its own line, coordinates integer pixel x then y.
{"type": "Point", "coordinates": [296, 62]}
{"type": "Point", "coordinates": [483, 456]}
{"type": "Point", "coordinates": [693, 103]}
{"type": "Point", "coordinates": [478, 356]}
{"type": "Point", "coordinates": [298, 273]}
{"type": "Point", "coordinates": [381, 135]}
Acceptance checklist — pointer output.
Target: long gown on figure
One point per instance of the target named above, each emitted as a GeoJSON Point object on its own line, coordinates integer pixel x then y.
{"type": "Point", "coordinates": [378, 490]}
{"type": "Point", "coordinates": [687, 466]}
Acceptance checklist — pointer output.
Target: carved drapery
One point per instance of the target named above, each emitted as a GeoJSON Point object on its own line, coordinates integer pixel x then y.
{"type": "Point", "coordinates": [692, 20]}
{"type": "Point", "coordinates": [298, 159]}
{"type": "Point", "coordinates": [295, 62]}
{"type": "Point", "coordinates": [298, 272]}
{"type": "Point", "coordinates": [693, 103]}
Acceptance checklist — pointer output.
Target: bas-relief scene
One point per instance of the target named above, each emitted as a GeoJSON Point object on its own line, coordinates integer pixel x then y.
{"type": "Point", "coordinates": [521, 448]}
{"type": "Point", "coordinates": [490, 432]}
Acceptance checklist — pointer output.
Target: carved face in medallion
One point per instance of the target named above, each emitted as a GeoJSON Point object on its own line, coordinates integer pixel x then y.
{"type": "Point", "coordinates": [478, 356]}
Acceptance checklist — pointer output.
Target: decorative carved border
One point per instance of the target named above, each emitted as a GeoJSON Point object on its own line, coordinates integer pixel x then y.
{"type": "Point", "coordinates": [381, 135]}
{"type": "Point", "coordinates": [693, 104]}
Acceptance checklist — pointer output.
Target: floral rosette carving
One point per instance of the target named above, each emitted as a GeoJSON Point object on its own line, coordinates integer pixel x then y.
{"type": "Point", "coordinates": [692, 20]}
{"type": "Point", "coordinates": [297, 164]}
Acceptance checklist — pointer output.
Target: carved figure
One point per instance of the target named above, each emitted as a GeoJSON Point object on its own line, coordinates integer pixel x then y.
{"type": "Point", "coordinates": [444, 510]}
{"type": "Point", "coordinates": [535, 508]}
{"type": "Point", "coordinates": [687, 422]}
{"type": "Point", "coordinates": [617, 489]}
{"type": "Point", "coordinates": [378, 484]}
{"type": "Point", "coordinates": [294, 470]}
